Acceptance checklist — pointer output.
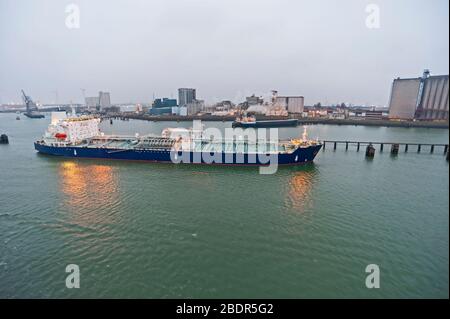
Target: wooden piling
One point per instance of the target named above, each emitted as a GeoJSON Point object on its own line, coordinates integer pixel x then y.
{"type": "Point", "coordinates": [370, 150]}
{"type": "Point", "coordinates": [394, 149]}
{"type": "Point", "coordinates": [335, 144]}
{"type": "Point", "coordinates": [445, 149]}
{"type": "Point", "coordinates": [381, 147]}
{"type": "Point", "coordinates": [357, 147]}
{"type": "Point", "coordinates": [406, 148]}
{"type": "Point", "coordinates": [419, 147]}
{"type": "Point", "coordinates": [4, 139]}
{"type": "Point", "coordinates": [346, 146]}
{"type": "Point", "coordinates": [432, 149]}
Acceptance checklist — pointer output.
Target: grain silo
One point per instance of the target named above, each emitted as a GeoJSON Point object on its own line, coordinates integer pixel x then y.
{"type": "Point", "coordinates": [423, 98]}
{"type": "Point", "coordinates": [434, 99]}
{"type": "Point", "coordinates": [293, 104]}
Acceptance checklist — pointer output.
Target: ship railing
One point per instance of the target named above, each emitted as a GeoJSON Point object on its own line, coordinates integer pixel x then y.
{"type": "Point", "coordinates": [156, 143]}
{"type": "Point", "coordinates": [230, 146]}
{"type": "Point", "coordinates": [114, 137]}
{"type": "Point", "coordinates": [237, 141]}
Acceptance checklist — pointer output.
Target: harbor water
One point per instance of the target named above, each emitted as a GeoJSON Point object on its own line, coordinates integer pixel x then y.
{"type": "Point", "coordinates": [144, 230]}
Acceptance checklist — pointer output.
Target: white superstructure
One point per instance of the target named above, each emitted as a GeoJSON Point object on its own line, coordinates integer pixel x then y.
{"type": "Point", "coordinates": [71, 130]}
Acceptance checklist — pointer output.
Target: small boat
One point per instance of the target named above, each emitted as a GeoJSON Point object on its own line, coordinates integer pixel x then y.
{"type": "Point", "coordinates": [253, 122]}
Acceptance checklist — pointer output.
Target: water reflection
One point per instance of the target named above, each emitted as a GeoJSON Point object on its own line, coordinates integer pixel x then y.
{"type": "Point", "coordinates": [300, 187]}
{"type": "Point", "coordinates": [89, 190]}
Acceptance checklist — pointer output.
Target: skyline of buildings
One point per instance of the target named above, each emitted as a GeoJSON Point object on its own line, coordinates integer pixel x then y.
{"type": "Point", "coordinates": [422, 98]}
{"type": "Point", "coordinates": [188, 96]}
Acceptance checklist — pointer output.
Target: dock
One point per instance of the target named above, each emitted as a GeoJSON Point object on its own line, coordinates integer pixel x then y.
{"type": "Point", "coordinates": [301, 120]}
{"type": "Point", "coordinates": [396, 147]}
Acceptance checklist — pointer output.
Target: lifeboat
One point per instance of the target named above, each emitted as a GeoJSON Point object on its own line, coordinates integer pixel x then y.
{"type": "Point", "coordinates": [60, 135]}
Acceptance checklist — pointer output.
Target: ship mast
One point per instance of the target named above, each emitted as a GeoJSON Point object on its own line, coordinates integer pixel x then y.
{"type": "Point", "coordinates": [305, 134]}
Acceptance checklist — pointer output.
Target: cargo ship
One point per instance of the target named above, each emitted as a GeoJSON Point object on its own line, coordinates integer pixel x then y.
{"type": "Point", "coordinates": [253, 122]}
{"type": "Point", "coordinates": [80, 137]}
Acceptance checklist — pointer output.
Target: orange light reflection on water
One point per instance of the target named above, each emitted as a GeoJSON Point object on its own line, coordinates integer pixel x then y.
{"type": "Point", "coordinates": [89, 190]}
{"type": "Point", "coordinates": [300, 190]}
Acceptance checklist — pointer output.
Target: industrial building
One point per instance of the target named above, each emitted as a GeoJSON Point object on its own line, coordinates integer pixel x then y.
{"type": "Point", "coordinates": [91, 102]}
{"type": "Point", "coordinates": [374, 115]}
{"type": "Point", "coordinates": [254, 100]}
{"type": "Point", "coordinates": [434, 102]}
{"type": "Point", "coordinates": [164, 106]}
{"type": "Point", "coordinates": [279, 105]}
{"type": "Point", "coordinates": [104, 100]}
{"type": "Point", "coordinates": [99, 102]}
{"type": "Point", "coordinates": [160, 111]}
{"type": "Point", "coordinates": [422, 98]}
{"type": "Point", "coordinates": [186, 96]}
{"type": "Point", "coordinates": [293, 104]}
{"type": "Point", "coordinates": [188, 103]}
{"type": "Point", "coordinates": [164, 102]}
{"type": "Point", "coordinates": [195, 106]}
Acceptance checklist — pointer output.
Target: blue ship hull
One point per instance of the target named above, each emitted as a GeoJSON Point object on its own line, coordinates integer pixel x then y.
{"type": "Point", "coordinates": [300, 156]}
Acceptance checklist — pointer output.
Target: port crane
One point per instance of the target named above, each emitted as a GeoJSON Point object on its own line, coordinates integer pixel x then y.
{"type": "Point", "coordinates": [30, 105]}
{"type": "Point", "coordinates": [31, 108]}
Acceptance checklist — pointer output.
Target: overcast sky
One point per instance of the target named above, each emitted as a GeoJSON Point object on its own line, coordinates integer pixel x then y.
{"type": "Point", "coordinates": [227, 49]}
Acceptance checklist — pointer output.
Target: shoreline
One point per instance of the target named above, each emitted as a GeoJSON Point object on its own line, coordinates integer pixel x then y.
{"type": "Point", "coordinates": [301, 121]}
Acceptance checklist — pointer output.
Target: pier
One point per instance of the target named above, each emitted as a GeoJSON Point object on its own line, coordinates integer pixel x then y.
{"type": "Point", "coordinates": [396, 147]}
